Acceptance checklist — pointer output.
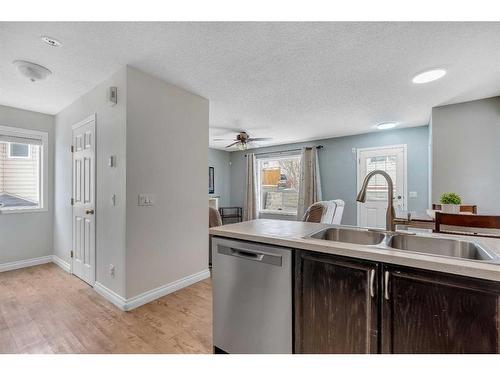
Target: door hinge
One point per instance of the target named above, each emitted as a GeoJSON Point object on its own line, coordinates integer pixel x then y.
{"type": "Point", "coordinates": [72, 148]}
{"type": "Point", "coordinates": [71, 253]}
{"type": "Point", "coordinates": [72, 201]}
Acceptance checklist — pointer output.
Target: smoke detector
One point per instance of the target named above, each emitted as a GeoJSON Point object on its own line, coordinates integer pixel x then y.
{"type": "Point", "coordinates": [31, 70]}
{"type": "Point", "coordinates": [53, 42]}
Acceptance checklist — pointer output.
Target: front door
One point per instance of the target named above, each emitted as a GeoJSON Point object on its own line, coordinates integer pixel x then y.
{"type": "Point", "coordinates": [83, 147]}
{"type": "Point", "coordinates": [391, 159]}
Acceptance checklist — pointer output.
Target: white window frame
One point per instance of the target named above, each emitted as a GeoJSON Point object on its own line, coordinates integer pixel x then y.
{"type": "Point", "coordinates": [9, 154]}
{"type": "Point", "coordinates": [277, 156]}
{"type": "Point", "coordinates": [44, 168]}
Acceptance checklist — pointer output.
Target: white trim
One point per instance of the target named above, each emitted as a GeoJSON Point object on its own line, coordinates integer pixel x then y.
{"type": "Point", "coordinates": [92, 117]}
{"type": "Point", "coordinates": [61, 263]}
{"type": "Point", "coordinates": [111, 296]}
{"type": "Point", "coordinates": [150, 295]}
{"type": "Point", "coordinates": [359, 182]}
{"type": "Point", "coordinates": [161, 291]}
{"type": "Point", "coordinates": [25, 263]}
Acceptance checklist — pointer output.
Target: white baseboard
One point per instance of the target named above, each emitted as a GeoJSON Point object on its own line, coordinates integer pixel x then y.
{"type": "Point", "coordinates": [111, 296]}
{"type": "Point", "coordinates": [61, 263]}
{"type": "Point", "coordinates": [25, 263]}
{"type": "Point", "coordinates": [151, 295]}
{"type": "Point", "coordinates": [163, 290]}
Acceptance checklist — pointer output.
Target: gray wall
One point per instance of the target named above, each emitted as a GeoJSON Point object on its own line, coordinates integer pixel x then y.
{"type": "Point", "coordinates": [110, 137]}
{"type": "Point", "coordinates": [28, 235]}
{"type": "Point", "coordinates": [466, 152]}
{"type": "Point", "coordinates": [167, 155]}
{"type": "Point", "coordinates": [338, 166]}
{"type": "Point", "coordinates": [220, 160]}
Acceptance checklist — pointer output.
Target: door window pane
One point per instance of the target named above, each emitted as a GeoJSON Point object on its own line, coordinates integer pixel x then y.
{"type": "Point", "coordinates": [377, 187]}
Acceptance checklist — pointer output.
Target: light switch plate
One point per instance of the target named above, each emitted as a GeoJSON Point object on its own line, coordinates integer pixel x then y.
{"type": "Point", "coordinates": [413, 194]}
{"type": "Point", "coordinates": [145, 200]}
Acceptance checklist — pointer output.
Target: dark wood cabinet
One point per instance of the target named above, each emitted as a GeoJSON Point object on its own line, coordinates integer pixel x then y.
{"type": "Point", "coordinates": [344, 305]}
{"type": "Point", "coordinates": [336, 309]}
{"type": "Point", "coordinates": [430, 312]}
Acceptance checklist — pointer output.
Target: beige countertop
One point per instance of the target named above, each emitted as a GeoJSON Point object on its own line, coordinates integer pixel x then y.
{"type": "Point", "coordinates": [291, 234]}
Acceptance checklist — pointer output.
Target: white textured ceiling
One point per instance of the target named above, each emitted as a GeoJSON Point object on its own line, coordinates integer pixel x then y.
{"type": "Point", "coordinates": [289, 81]}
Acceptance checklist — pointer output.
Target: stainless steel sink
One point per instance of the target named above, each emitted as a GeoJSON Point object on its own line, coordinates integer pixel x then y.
{"type": "Point", "coordinates": [441, 247]}
{"type": "Point", "coordinates": [444, 247]}
{"type": "Point", "coordinates": [356, 236]}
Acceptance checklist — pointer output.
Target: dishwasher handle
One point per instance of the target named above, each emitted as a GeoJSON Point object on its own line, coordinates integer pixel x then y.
{"type": "Point", "coordinates": [253, 255]}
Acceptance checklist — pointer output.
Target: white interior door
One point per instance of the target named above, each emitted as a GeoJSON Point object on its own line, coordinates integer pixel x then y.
{"type": "Point", "coordinates": [392, 160]}
{"type": "Point", "coordinates": [84, 147]}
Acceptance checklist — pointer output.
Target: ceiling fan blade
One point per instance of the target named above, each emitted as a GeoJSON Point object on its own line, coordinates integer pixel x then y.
{"type": "Point", "coordinates": [222, 139]}
{"type": "Point", "coordinates": [258, 139]}
{"type": "Point", "coordinates": [232, 144]}
{"type": "Point", "coordinates": [227, 130]}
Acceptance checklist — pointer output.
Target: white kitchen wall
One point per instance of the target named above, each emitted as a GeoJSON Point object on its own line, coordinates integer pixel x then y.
{"type": "Point", "coordinates": [167, 157]}
{"type": "Point", "coordinates": [28, 235]}
{"type": "Point", "coordinates": [110, 220]}
{"type": "Point", "coordinates": [466, 152]}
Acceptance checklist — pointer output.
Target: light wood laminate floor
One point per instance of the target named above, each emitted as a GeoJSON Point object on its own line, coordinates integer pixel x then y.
{"type": "Point", "coordinates": [43, 309]}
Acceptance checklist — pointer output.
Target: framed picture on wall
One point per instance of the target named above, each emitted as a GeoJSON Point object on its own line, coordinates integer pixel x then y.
{"type": "Point", "coordinates": [211, 185]}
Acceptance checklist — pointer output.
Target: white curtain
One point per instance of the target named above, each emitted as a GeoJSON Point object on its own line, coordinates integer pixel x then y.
{"type": "Point", "coordinates": [310, 181]}
{"type": "Point", "coordinates": [250, 205]}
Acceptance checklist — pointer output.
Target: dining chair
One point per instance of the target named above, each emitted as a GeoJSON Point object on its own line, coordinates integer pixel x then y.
{"type": "Point", "coordinates": [214, 220]}
{"type": "Point", "coordinates": [472, 225]}
{"type": "Point", "coordinates": [327, 212]}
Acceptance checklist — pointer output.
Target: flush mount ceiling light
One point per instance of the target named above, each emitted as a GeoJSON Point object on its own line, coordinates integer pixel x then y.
{"type": "Point", "coordinates": [51, 41]}
{"type": "Point", "coordinates": [429, 76]}
{"type": "Point", "coordinates": [386, 125]}
{"type": "Point", "coordinates": [31, 70]}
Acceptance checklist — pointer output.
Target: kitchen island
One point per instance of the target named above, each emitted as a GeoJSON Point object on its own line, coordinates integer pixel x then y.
{"type": "Point", "coordinates": [342, 297]}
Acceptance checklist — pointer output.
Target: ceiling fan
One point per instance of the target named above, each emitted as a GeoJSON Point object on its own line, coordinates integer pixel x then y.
{"type": "Point", "coordinates": [242, 140]}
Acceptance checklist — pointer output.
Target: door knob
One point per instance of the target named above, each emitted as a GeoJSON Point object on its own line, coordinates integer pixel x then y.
{"type": "Point", "coordinates": [89, 212]}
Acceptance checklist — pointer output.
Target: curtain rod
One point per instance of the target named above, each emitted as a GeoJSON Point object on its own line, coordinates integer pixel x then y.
{"type": "Point", "coordinates": [284, 151]}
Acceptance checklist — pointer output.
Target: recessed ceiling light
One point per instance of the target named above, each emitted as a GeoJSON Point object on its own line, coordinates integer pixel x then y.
{"type": "Point", "coordinates": [386, 125]}
{"type": "Point", "coordinates": [31, 70]}
{"type": "Point", "coordinates": [51, 41]}
{"type": "Point", "coordinates": [429, 76]}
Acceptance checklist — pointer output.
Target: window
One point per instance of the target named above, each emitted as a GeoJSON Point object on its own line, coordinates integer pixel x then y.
{"type": "Point", "coordinates": [278, 184]}
{"type": "Point", "coordinates": [377, 187]}
{"type": "Point", "coordinates": [23, 168]}
{"type": "Point", "coordinates": [19, 151]}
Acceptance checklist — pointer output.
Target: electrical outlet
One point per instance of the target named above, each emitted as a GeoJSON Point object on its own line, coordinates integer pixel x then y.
{"type": "Point", "coordinates": [112, 270]}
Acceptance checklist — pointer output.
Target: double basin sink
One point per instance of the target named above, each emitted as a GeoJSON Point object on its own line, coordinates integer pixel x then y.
{"type": "Point", "coordinates": [444, 247]}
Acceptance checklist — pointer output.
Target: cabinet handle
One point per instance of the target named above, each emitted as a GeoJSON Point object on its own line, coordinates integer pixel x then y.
{"type": "Point", "coordinates": [372, 283]}
{"type": "Point", "coordinates": [386, 285]}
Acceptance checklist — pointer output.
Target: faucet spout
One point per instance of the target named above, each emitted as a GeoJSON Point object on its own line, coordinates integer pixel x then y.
{"type": "Point", "coordinates": [390, 214]}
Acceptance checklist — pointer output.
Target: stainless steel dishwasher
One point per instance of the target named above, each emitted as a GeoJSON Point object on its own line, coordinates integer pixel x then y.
{"type": "Point", "coordinates": [252, 297]}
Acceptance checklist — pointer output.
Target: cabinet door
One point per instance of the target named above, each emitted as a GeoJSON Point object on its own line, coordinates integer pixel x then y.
{"type": "Point", "coordinates": [428, 312]}
{"type": "Point", "coordinates": [335, 304]}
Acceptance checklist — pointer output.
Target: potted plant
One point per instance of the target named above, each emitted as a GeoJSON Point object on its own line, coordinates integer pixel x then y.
{"type": "Point", "coordinates": [450, 203]}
